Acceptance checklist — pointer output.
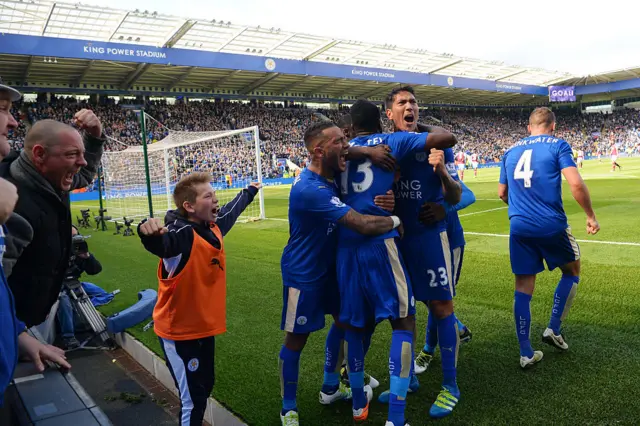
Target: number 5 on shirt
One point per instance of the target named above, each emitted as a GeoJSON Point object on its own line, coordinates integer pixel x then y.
{"type": "Point", "coordinates": [364, 168]}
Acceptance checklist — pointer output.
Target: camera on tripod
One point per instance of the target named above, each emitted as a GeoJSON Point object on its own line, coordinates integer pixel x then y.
{"type": "Point", "coordinates": [84, 221]}
{"type": "Point", "coordinates": [79, 244]}
{"type": "Point", "coordinates": [128, 232]}
{"type": "Point", "coordinates": [101, 219]}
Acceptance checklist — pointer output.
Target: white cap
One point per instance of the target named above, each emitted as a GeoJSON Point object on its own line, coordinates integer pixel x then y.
{"type": "Point", "coordinates": [15, 95]}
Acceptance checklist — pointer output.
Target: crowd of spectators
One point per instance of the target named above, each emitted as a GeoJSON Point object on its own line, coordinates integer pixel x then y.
{"type": "Point", "coordinates": [486, 132]}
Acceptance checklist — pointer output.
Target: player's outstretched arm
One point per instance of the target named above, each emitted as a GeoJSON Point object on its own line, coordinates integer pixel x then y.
{"type": "Point", "coordinates": [425, 128]}
{"type": "Point", "coordinates": [367, 224]}
{"type": "Point", "coordinates": [580, 192]}
{"type": "Point", "coordinates": [440, 140]}
{"type": "Point", "coordinates": [379, 155]}
{"type": "Point", "coordinates": [466, 199]}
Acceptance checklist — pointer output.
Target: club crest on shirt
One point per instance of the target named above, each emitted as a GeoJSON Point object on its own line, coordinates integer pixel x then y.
{"type": "Point", "coordinates": [193, 364]}
{"type": "Point", "coordinates": [421, 156]}
{"type": "Point", "coordinates": [336, 202]}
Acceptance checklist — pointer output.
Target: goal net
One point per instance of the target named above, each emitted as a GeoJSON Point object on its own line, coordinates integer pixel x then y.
{"type": "Point", "coordinates": [134, 188]}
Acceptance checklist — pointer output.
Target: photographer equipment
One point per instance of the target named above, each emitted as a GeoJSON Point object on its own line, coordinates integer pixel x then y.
{"type": "Point", "coordinates": [84, 221]}
{"type": "Point", "coordinates": [83, 306]}
{"type": "Point", "coordinates": [101, 220]}
{"type": "Point", "coordinates": [78, 297]}
{"type": "Point", "coordinates": [118, 228]}
{"type": "Point", "coordinates": [128, 232]}
{"type": "Point", "coordinates": [79, 244]}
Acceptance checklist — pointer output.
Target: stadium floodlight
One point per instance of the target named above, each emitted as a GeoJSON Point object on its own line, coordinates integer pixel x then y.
{"type": "Point", "coordinates": [139, 181]}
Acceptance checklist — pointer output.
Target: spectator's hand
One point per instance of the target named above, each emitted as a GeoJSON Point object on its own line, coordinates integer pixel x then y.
{"type": "Point", "coordinates": [381, 157]}
{"type": "Point", "coordinates": [256, 185]}
{"type": "Point", "coordinates": [8, 199]}
{"type": "Point", "coordinates": [431, 213]}
{"type": "Point", "coordinates": [153, 226]}
{"type": "Point", "coordinates": [85, 119]}
{"type": "Point", "coordinates": [38, 352]}
{"type": "Point", "coordinates": [386, 202]}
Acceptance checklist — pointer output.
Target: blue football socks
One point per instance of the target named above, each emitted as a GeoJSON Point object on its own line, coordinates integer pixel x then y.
{"type": "Point", "coordinates": [400, 367]}
{"type": "Point", "coordinates": [449, 340]}
{"type": "Point", "coordinates": [522, 315]}
{"type": "Point", "coordinates": [562, 300]}
{"type": "Point", "coordinates": [289, 367]}
{"type": "Point", "coordinates": [355, 359]}
{"type": "Point", "coordinates": [333, 359]}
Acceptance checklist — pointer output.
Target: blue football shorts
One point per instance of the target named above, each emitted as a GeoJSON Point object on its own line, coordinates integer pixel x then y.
{"type": "Point", "coordinates": [374, 284]}
{"type": "Point", "coordinates": [429, 262]}
{"type": "Point", "coordinates": [304, 310]}
{"type": "Point", "coordinates": [457, 256]}
{"type": "Point", "coordinates": [528, 253]}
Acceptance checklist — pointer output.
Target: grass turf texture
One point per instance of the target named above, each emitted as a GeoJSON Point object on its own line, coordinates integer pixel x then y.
{"type": "Point", "coordinates": [595, 382]}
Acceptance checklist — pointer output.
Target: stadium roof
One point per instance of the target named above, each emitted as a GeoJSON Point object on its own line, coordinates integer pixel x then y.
{"type": "Point", "coordinates": [143, 27]}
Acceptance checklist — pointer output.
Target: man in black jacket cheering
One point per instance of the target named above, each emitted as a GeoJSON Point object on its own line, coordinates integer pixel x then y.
{"type": "Point", "coordinates": [56, 160]}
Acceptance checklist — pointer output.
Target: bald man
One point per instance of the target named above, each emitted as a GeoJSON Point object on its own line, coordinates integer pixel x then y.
{"type": "Point", "coordinates": [56, 160]}
{"type": "Point", "coordinates": [14, 340]}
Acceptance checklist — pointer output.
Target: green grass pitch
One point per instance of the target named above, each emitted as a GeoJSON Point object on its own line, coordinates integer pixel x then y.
{"type": "Point", "coordinates": [595, 382]}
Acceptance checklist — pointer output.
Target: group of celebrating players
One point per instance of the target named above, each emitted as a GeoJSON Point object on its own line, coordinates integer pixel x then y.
{"type": "Point", "coordinates": [374, 228]}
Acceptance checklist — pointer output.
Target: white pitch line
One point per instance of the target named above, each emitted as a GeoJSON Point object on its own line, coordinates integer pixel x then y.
{"type": "Point", "coordinates": [613, 243]}
{"type": "Point", "coordinates": [484, 234]}
{"type": "Point", "coordinates": [484, 211]}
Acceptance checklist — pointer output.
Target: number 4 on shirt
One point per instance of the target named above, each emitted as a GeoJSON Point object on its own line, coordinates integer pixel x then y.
{"type": "Point", "coordinates": [523, 168]}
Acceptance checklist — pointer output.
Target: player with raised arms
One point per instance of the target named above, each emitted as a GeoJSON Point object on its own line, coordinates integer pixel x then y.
{"type": "Point", "coordinates": [425, 248]}
{"type": "Point", "coordinates": [531, 184]}
{"type": "Point", "coordinates": [374, 285]}
{"type": "Point", "coordinates": [309, 259]}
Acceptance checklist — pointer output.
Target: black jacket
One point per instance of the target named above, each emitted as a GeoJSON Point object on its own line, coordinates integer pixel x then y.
{"type": "Point", "coordinates": [36, 267]}
{"type": "Point", "coordinates": [179, 240]}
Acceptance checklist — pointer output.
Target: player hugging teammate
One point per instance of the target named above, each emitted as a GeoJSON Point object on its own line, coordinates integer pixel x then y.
{"type": "Point", "coordinates": [373, 280]}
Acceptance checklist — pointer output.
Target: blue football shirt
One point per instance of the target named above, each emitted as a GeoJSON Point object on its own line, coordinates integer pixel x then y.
{"type": "Point", "coordinates": [308, 260]}
{"type": "Point", "coordinates": [362, 181]}
{"type": "Point", "coordinates": [419, 184]}
{"type": "Point", "coordinates": [532, 171]}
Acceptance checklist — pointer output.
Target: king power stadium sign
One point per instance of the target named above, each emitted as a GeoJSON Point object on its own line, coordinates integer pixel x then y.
{"type": "Point", "coordinates": [562, 94]}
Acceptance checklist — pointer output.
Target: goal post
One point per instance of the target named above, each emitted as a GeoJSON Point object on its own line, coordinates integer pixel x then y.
{"type": "Point", "coordinates": [139, 180]}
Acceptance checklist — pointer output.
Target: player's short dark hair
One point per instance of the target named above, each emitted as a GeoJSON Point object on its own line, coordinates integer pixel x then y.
{"type": "Point", "coordinates": [388, 101]}
{"type": "Point", "coordinates": [365, 117]}
{"type": "Point", "coordinates": [542, 116]}
{"type": "Point", "coordinates": [314, 131]}
{"type": "Point", "coordinates": [344, 121]}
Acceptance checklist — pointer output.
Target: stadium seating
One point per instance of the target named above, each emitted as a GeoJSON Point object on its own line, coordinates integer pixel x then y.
{"type": "Point", "coordinates": [485, 132]}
